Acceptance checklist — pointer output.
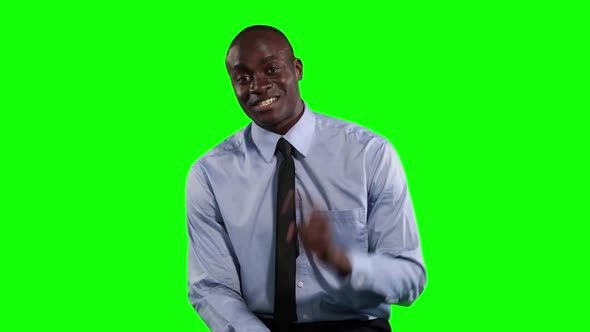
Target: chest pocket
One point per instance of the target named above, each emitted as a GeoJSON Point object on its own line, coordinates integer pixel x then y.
{"type": "Point", "coordinates": [348, 228]}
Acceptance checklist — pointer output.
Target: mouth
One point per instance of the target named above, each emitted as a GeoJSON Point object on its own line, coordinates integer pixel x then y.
{"type": "Point", "coordinates": [264, 104]}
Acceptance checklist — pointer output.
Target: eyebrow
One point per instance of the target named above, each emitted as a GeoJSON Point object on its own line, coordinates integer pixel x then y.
{"type": "Point", "coordinates": [240, 66]}
{"type": "Point", "coordinates": [268, 59]}
{"type": "Point", "coordinates": [263, 61]}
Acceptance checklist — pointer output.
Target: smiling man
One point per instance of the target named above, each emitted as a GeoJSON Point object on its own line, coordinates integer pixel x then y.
{"type": "Point", "coordinates": [265, 76]}
{"type": "Point", "coordinates": [298, 222]}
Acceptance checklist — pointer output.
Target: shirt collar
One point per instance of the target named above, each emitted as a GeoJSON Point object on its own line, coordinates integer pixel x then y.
{"type": "Point", "coordinates": [300, 136]}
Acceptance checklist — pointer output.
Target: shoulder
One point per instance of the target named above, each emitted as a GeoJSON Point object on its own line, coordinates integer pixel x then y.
{"type": "Point", "coordinates": [231, 148]}
{"type": "Point", "coordinates": [354, 134]}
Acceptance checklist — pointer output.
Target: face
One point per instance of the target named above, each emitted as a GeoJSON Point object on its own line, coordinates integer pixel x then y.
{"type": "Point", "coordinates": [265, 78]}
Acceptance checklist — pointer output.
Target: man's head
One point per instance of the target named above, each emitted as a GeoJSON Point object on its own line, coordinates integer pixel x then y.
{"type": "Point", "coordinates": [265, 74]}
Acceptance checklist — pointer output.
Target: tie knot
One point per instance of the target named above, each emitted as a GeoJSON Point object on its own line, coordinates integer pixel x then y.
{"type": "Point", "coordinates": [284, 147]}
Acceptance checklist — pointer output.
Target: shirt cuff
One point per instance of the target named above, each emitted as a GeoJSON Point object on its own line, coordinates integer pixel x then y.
{"type": "Point", "coordinates": [359, 277]}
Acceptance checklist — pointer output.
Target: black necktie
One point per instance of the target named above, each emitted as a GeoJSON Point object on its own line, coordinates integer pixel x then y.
{"type": "Point", "coordinates": [286, 253]}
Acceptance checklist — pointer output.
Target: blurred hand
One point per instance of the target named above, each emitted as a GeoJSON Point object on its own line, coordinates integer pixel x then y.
{"type": "Point", "coordinates": [317, 237]}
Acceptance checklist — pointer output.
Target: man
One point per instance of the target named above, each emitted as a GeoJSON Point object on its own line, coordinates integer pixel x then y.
{"type": "Point", "coordinates": [298, 222]}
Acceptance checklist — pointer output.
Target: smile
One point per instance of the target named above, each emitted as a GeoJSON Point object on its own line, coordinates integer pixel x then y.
{"type": "Point", "coordinates": [267, 102]}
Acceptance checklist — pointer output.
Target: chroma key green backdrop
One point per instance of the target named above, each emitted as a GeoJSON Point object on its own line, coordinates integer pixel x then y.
{"type": "Point", "coordinates": [105, 105]}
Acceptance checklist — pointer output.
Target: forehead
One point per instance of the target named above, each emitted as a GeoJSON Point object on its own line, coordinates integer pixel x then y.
{"type": "Point", "coordinates": [251, 50]}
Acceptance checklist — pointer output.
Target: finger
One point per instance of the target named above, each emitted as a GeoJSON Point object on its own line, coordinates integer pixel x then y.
{"type": "Point", "coordinates": [291, 231]}
{"type": "Point", "coordinates": [318, 217]}
{"type": "Point", "coordinates": [314, 215]}
{"type": "Point", "coordinates": [285, 205]}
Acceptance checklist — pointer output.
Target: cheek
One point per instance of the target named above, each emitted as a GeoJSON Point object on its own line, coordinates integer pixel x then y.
{"type": "Point", "coordinates": [241, 92]}
{"type": "Point", "coordinates": [293, 87]}
{"type": "Point", "coordinates": [288, 84]}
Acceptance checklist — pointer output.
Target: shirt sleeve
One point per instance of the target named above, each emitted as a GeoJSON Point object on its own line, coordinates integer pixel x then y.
{"type": "Point", "coordinates": [392, 271]}
{"type": "Point", "coordinates": [213, 270]}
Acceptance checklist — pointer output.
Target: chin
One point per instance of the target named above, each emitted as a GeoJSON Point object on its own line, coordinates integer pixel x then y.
{"type": "Point", "coordinates": [269, 117]}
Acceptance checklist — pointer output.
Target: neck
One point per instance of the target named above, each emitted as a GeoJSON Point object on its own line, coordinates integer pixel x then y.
{"type": "Point", "coordinates": [284, 126]}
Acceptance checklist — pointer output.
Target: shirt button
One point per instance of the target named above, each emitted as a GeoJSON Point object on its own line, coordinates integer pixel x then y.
{"type": "Point", "coordinates": [300, 285]}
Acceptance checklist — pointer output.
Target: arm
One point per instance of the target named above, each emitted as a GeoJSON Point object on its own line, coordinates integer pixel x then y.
{"type": "Point", "coordinates": [213, 270]}
{"type": "Point", "coordinates": [393, 270]}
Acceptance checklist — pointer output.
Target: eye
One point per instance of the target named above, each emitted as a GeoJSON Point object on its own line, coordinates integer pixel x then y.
{"type": "Point", "coordinates": [243, 78]}
{"type": "Point", "coordinates": [273, 69]}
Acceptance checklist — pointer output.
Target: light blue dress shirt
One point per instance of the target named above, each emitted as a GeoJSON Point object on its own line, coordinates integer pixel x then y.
{"type": "Point", "coordinates": [348, 173]}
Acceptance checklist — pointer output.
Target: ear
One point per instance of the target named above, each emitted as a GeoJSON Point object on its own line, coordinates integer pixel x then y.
{"type": "Point", "coordinates": [299, 69]}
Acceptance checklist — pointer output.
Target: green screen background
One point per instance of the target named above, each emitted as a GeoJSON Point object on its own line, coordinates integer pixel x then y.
{"type": "Point", "coordinates": [105, 106]}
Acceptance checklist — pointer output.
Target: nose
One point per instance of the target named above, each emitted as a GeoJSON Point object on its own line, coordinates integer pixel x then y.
{"type": "Point", "coordinates": [260, 83]}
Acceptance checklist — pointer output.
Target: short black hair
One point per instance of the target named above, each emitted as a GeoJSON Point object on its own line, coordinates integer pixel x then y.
{"type": "Point", "coordinates": [259, 28]}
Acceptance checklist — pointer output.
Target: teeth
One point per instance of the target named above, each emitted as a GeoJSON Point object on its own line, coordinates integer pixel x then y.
{"type": "Point", "coordinates": [267, 102]}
